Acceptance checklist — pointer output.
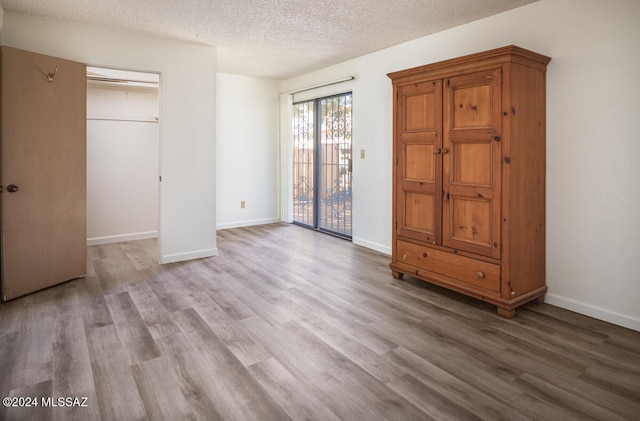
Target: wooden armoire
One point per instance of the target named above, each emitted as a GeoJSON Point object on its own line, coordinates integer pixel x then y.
{"type": "Point", "coordinates": [469, 175]}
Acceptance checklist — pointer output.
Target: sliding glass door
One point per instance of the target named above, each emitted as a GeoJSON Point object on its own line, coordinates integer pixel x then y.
{"type": "Point", "coordinates": [322, 164]}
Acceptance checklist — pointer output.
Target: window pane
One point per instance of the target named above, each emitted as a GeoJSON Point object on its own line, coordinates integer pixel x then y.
{"type": "Point", "coordinates": [303, 158]}
{"type": "Point", "coordinates": [335, 164]}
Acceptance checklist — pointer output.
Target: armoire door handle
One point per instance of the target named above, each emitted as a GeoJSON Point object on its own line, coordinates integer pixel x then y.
{"type": "Point", "coordinates": [12, 188]}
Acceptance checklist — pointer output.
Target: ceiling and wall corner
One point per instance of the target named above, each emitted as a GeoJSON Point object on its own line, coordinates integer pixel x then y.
{"type": "Point", "coordinates": [272, 38]}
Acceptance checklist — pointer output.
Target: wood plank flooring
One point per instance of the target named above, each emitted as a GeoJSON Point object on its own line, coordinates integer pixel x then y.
{"type": "Point", "coordinates": [287, 323]}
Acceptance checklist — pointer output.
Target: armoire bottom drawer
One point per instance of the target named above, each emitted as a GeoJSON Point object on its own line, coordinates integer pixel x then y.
{"type": "Point", "coordinates": [476, 272]}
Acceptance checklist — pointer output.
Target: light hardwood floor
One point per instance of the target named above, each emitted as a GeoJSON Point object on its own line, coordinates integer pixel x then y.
{"type": "Point", "coordinates": [287, 323]}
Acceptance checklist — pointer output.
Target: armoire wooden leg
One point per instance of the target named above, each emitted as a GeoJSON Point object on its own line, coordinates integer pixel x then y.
{"type": "Point", "coordinates": [506, 313]}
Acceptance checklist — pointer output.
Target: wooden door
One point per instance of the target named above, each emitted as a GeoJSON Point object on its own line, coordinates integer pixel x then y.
{"type": "Point", "coordinates": [419, 167]}
{"type": "Point", "coordinates": [471, 163]}
{"type": "Point", "coordinates": [43, 199]}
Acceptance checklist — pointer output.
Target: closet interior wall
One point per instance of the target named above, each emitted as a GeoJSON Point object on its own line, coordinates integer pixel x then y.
{"type": "Point", "coordinates": [122, 161]}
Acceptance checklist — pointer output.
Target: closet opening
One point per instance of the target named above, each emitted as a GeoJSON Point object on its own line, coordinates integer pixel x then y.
{"type": "Point", "coordinates": [123, 155]}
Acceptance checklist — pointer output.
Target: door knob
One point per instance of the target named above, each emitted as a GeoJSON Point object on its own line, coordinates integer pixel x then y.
{"type": "Point", "coordinates": [12, 188]}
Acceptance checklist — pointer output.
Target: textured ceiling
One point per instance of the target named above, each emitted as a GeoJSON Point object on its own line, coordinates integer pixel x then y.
{"type": "Point", "coordinates": [274, 38]}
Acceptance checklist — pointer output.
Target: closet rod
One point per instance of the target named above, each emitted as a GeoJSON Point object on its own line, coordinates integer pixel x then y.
{"type": "Point", "coordinates": [321, 85]}
{"type": "Point", "coordinates": [135, 120]}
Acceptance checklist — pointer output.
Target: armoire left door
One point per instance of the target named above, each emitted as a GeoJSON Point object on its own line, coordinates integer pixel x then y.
{"type": "Point", "coordinates": [43, 170]}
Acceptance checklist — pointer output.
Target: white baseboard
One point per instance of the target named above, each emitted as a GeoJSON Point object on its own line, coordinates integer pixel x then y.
{"type": "Point", "coordinates": [190, 255]}
{"type": "Point", "coordinates": [247, 223]}
{"type": "Point", "coordinates": [370, 245]}
{"type": "Point", "coordinates": [595, 312]}
{"type": "Point", "coordinates": [122, 237]}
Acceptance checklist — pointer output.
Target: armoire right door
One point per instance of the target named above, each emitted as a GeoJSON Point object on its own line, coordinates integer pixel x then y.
{"type": "Point", "coordinates": [471, 162]}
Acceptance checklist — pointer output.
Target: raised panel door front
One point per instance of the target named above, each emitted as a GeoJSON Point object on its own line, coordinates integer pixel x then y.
{"type": "Point", "coordinates": [419, 166]}
{"type": "Point", "coordinates": [471, 163]}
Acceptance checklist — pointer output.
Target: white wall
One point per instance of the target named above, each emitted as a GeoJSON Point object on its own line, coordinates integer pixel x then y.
{"type": "Point", "coordinates": [122, 163]}
{"type": "Point", "coordinates": [247, 150]}
{"type": "Point", "coordinates": [593, 122]}
{"type": "Point", "coordinates": [187, 126]}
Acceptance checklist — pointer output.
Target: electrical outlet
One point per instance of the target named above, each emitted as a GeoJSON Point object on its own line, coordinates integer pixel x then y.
{"type": "Point", "coordinates": [361, 153]}
{"type": "Point", "coordinates": [242, 204]}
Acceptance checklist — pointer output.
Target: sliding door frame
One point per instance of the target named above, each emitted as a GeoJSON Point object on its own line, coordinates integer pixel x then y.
{"type": "Point", "coordinates": [332, 165]}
